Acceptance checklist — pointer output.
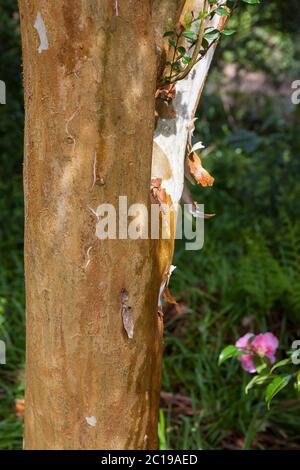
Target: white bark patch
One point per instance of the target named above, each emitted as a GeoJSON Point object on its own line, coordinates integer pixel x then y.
{"type": "Point", "coordinates": [91, 421]}
{"type": "Point", "coordinates": [39, 25]}
{"type": "Point", "coordinates": [171, 135]}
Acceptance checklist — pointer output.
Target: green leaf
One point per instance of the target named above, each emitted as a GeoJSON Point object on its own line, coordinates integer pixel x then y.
{"type": "Point", "coordinates": [205, 44]}
{"type": "Point", "coordinates": [282, 363]}
{"type": "Point", "coordinates": [211, 35]}
{"type": "Point", "coordinates": [228, 352]}
{"type": "Point", "coordinates": [222, 11]}
{"type": "Point", "coordinates": [188, 19]}
{"type": "Point", "coordinates": [186, 59]}
{"type": "Point", "coordinates": [257, 380]}
{"type": "Point", "coordinates": [190, 35]}
{"type": "Point", "coordinates": [228, 32]}
{"type": "Point", "coordinates": [298, 382]}
{"type": "Point", "coordinates": [172, 42]}
{"type": "Point", "coordinates": [261, 364]}
{"type": "Point", "coordinates": [169, 33]}
{"type": "Point", "coordinates": [181, 50]}
{"type": "Point", "coordinates": [202, 15]}
{"type": "Point", "coordinates": [252, 2]}
{"type": "Point", "coordinates": [176, 66]}
{"type": "Point", "coordinates": [275, 387]}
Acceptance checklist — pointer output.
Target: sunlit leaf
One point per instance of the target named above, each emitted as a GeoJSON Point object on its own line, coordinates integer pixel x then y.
{"type": "Point", "coordinates": [275, 387]}
{"type": "Point", "coordinates": [229, 352]}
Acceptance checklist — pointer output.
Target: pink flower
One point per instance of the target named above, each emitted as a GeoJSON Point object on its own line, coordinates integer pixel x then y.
{"type": "Point", "coordinates": [265, 345]}
{"type": "Point", "coordinates": [243, 342]}
{"type": "Point", "coordinates": [247, 363]}
{"type": "Point", "coordinates": [247, 359]}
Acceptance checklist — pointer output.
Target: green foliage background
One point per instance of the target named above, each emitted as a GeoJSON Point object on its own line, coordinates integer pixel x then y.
{"type": "Point", "coordinates": [247, 277]}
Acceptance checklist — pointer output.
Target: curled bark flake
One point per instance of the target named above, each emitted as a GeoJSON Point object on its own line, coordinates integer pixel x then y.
{"type": "Point", "coordinates": [168, 296]}
{"type": "Point", "coordinates": [194, 167]}
{"type": "Point", "coordinates": [194, 209]}
{"type": "Point", "coordinates": [160, 195]}
{"type": "Point", "coordinates": [20, 407]}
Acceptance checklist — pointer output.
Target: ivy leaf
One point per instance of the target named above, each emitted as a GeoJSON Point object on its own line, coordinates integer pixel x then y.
{"type": "Point", "coordinates": [229, 352]}
{"type": "Point", "coordinates": [275, 387]}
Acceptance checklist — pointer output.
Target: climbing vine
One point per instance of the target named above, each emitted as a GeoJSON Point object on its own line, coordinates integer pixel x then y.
{"type": "Point", "coordinates": [190, 40]}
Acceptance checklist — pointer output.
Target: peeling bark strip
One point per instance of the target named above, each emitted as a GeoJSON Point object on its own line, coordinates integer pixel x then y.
{"type": "Point", "coordinates": [88, 386]}
{"type": "Point", "coordinates": [116, 7]}
{"type": "Point", "coordinates": [174, 133]}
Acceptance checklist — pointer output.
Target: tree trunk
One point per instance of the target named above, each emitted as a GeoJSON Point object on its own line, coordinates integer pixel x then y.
{"type": "Point", "coordinates": [90, 70]}
{"type": "Point", "coordinates": [89, 95]}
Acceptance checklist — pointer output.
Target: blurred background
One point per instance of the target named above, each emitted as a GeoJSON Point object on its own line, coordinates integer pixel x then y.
{"type": "Point", "coordinates": [247, 276]}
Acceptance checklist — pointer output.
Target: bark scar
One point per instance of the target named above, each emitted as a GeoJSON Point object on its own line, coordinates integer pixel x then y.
{"type": "Point", "coordinates": [97, 179]}
{"type": "Point", "coordinates": [127, 313]}
{"type": "Point", "coordinates": [70, 136]}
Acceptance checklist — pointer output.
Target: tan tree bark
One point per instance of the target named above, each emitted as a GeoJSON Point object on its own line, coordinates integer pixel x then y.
{"type": "Point", "coordinates": [90, 70]}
